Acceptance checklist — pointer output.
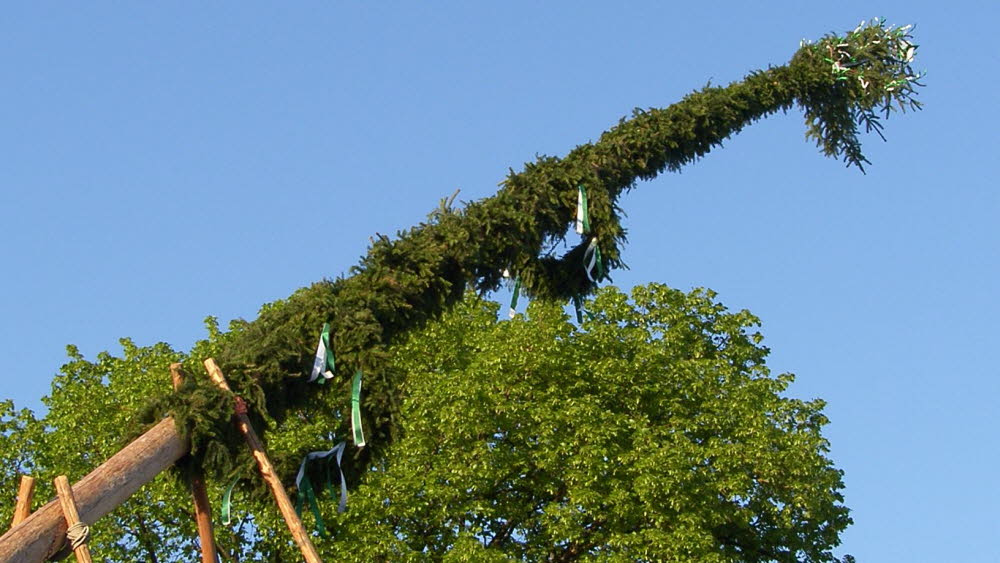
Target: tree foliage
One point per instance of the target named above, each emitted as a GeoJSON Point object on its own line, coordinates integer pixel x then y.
{"type": "Point", "coordinates": [90, 407]}
{"type": "Point", "coordinates": [654, 431]}
{"type": "Point", "coordinates": [19, 436]}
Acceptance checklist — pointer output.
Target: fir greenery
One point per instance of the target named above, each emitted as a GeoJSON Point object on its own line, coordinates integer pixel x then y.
{"type": "Point", "coordinates": [733, 502]}
{"type": "Point", "coordinates": [840, 83]}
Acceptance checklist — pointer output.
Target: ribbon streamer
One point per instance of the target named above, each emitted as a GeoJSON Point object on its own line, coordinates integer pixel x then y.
{"type": "Point", "coordinates": [356, 430]}
{"type": "Point", "coordinates": [324, 362]}
{"type": "Point", "coordinates": [227, 502]}
{"type": "Point", "coordinates": [582, 211]}
{"type": "Point", "coordinates": [306, 493]}
{"type": "Point", "coordinates": [578, 305]}
{"type": "Point", "coordinates": [514, 297]}
{"type": "Point", "coordinates": [592, 261]}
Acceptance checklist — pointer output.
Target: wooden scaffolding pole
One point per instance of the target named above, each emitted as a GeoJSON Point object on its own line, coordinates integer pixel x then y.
{"type": "Point", "coordinates": [24, 495]}
{"type": "Point", "coordinates": [202, 508]}
{"type": "Point", "coordinates": [299, 533]}
{"type": "Point", "coordinates": [43, 533]}
{"type": "Point", "coordinates": [75, 526]}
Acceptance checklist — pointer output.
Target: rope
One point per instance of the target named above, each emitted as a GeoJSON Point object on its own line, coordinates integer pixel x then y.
{"type": "Point", "coordinates": [77, 534]}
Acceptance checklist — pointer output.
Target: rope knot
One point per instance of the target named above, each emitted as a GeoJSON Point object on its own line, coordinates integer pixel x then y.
{"type": "Point", "coordinates": [77, 534]}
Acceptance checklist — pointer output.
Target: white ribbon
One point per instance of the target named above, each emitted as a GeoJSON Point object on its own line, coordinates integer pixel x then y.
{"type": "Point", "coordinates": [582, 218]}
{"type": "Point", "coordinates": [320, 364]}
{"type": "Point", "coordinates": [590, 257]}
{"type": "Point", "coordinates": [339, 451]}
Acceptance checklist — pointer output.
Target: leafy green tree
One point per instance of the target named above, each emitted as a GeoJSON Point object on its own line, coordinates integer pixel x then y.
{"type": "Point", "coordinates": [19, 435]}
{"type": "Point", "coordinates": [90, 409]}
{"type": "Point", "coordinates": [653, 431]}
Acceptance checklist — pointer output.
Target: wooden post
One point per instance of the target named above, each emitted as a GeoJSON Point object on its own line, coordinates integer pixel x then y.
{"type": "Point", "coordinates": [68, 504]}
{"type": "Point", "coordinates": [42, 534]}
{"type": "Point", "coordinates": [299, 533]}
{"type": "Point", "coordinates": [202, 508]}
{"type": "Point", "coordinates": [24, 494]}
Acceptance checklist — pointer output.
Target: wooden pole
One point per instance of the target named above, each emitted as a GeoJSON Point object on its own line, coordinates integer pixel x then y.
{"type": "Point", "coordinates": [299, 533]}
{"type": "Point", "coordinates": [24, 495]}
{"type": "Point", "coordinates": [68, 504]}
{"type": "Point", "coordinates": [202, 508]}
{"type": "Point", "coordinates": [42, 534]}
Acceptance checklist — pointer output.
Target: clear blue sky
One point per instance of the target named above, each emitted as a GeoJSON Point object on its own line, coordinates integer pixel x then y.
{"type": "Point", "coordinates": [162, 164]}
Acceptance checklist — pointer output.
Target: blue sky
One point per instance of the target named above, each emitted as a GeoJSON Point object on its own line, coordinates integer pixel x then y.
{"type": "Point", "coordinates": [161, 164]}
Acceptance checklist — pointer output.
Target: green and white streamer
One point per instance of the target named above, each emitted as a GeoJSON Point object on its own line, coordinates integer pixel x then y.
{"type": "Point", "coordinates": [844, 64]}
{"type": "Point", "coordinates": [324, 362]}
{"type": "Point", "coordinates": [514, 297]}
{"type": "Point", "coordinates": [227, 502]}
{"type": "Point", "coordinates": [582, 211]}
{"type": "Point", "coordinates": [592, 262]}
{"type": "Point", "coordinates": [578, 305]}
{"type": "Point", "coordinates": [592, 256]}
{"type": "Point", "coordinates": [515, 294]}
{"type": "Point", "coordinates": [305, 487]}
{"type": "Point", "coordinates": [356, 430]}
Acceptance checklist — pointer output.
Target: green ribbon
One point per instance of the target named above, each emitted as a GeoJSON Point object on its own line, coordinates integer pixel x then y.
{"type": "Point", "coordinates": [324, 362]}
{"type": "Point", "coordinates": [306, 492]}
{"type": "Point", "coordinates": [227, 502]}
{"type": "Point", "coordinates": [578, 305]}
{"type": "Point", "coordinates": [356, 430]}
{"type": "Point", "coordinates": [592, 256]}
{"type": "Point", "coordinates": [581, 310]}
{"type": "Point", "coordinates": [592, 261]}
{"type": "Point", "coordinates": [582, 211]}
{"type": "Point", "coordinates": [514, 297]}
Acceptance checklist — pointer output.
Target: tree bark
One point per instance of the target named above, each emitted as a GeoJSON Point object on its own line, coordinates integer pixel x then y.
{"type": "Point", "coordinates": [24, 495]}
{"type": "Point", "coordinates": [97, 494]}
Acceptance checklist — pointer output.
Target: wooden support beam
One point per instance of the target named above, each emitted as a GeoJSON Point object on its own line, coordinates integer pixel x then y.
{"type": "Point", "coordinates": [299, 533]}
{"type": "Point", "coordinates": [68, 504]}
{"type": "Point", "coordinates": [202, 508]}
{"type": "Point", "coordinates": [24, 495]}
{"type": "Point", "coordinates": [42, 534]}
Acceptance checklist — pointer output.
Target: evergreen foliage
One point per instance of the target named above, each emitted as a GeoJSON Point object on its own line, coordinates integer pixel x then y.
{"type": "Point", "coordinates": [699, 377]}
{"type": "Point", "coordinates": [840, 82]}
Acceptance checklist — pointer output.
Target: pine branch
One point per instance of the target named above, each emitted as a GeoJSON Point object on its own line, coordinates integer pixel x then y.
{"type": "Point", "coordinates": [404, 282]}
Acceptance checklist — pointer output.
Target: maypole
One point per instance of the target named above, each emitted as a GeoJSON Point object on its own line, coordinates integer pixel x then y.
{"type": "Point", "coordinates": [842, 83]}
